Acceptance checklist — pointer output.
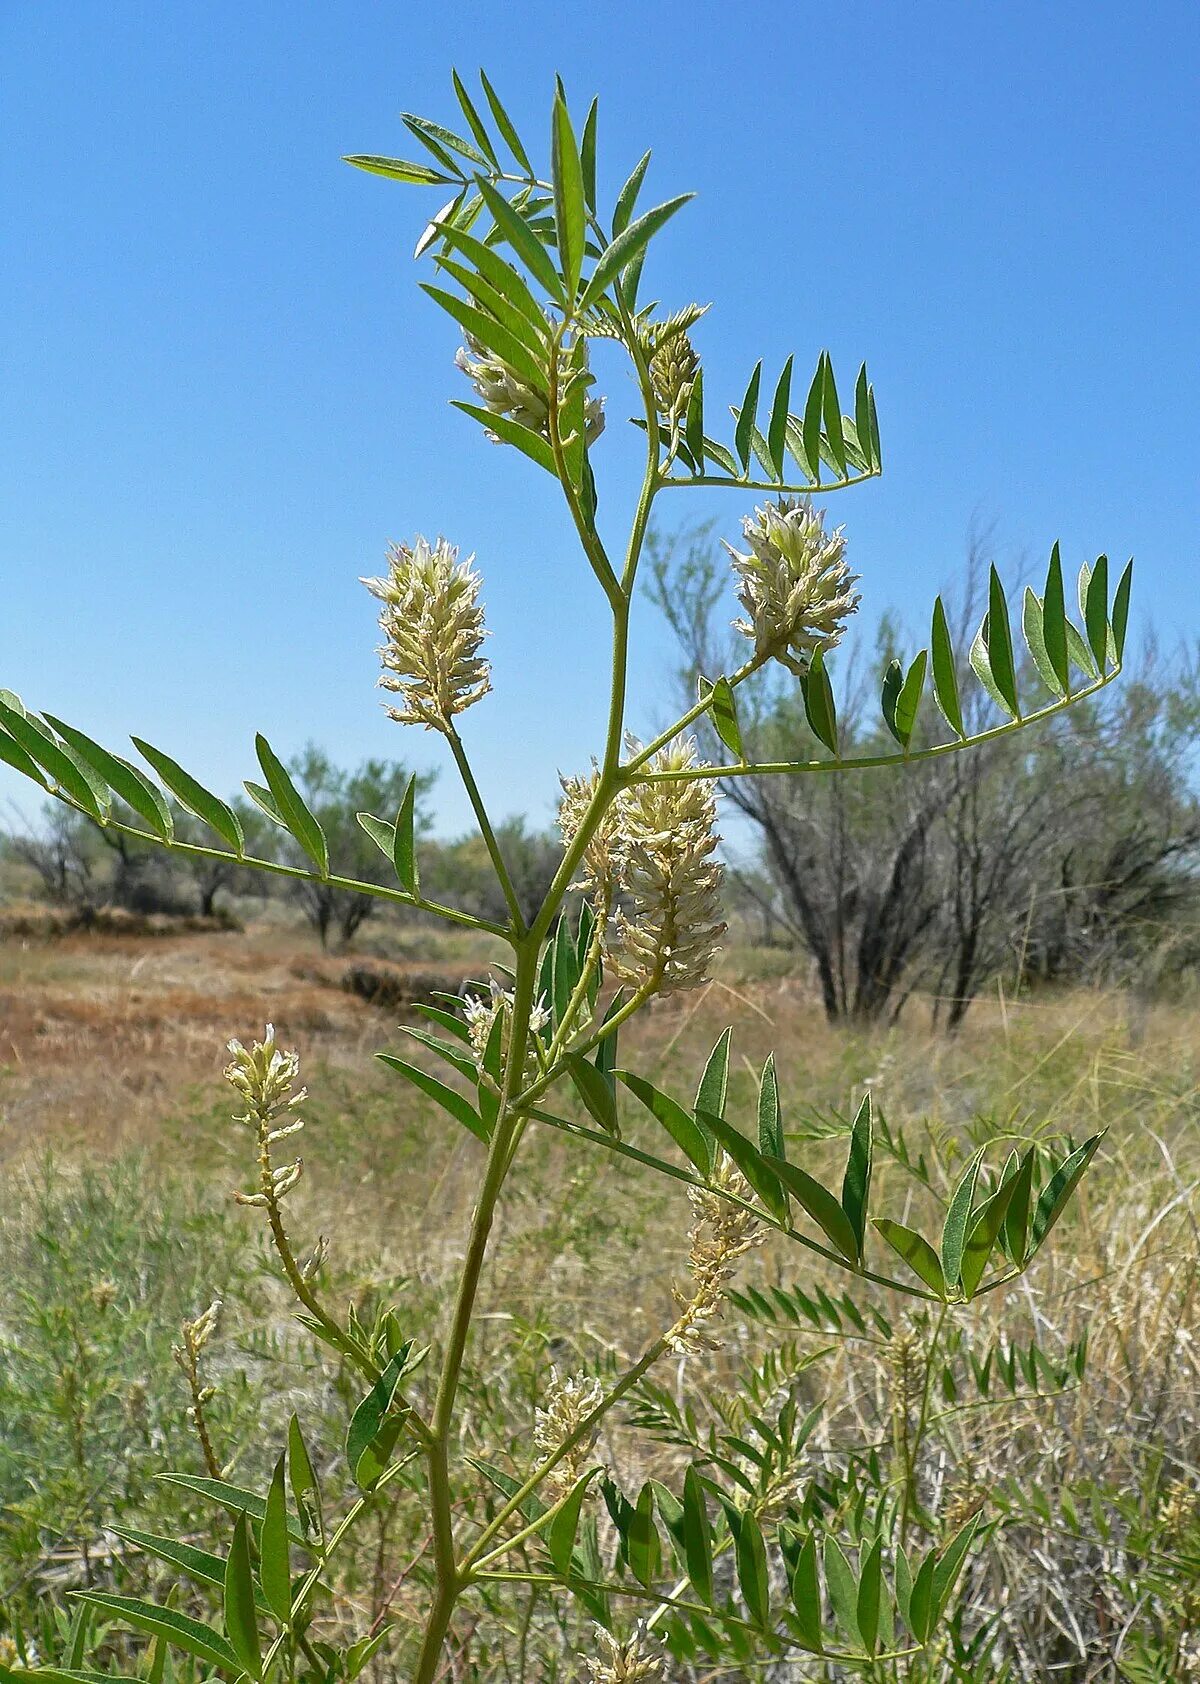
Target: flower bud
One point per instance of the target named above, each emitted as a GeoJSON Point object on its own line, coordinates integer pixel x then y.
{"type": "Point", "coordinates": [795, 584]}
{"type": "Point", "coordinates": [432, 621]}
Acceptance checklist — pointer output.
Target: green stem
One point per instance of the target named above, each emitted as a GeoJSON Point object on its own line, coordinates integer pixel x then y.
{"type": "Point", "coordinates": [485, 828]}
{"type": "Point", "coordinates": [912, 1445]}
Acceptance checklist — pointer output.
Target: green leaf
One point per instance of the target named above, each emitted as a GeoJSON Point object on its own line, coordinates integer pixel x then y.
{"type": "Point", "coordinates": [529, 443]}
{"type": "Point", "coordinates": [274, 1570]}
{"type": "Point", "coordinates": [723, 711]}
{"type": "Point", "coordinates": [198, 1564]}
{"type": "Point", "coordinates": [1016, 1220]}
{"type": "Point", "coordinates": [192, 795]}
{"type": "Point", "coordinates": [440, 140]}
{"type": "Point", "coordinates": [893, 683]}
{"type": "Point", "coordinates": [458, 1106]}
{"type": "Point", "coordinates": [642, 1544]}
{"type": "Point", "coordinates": [496, 306]}
{"type": "Point", "coordinates": [1031, 624]}
{"type": "Point", "coordinates": [686, 1134]}
{"type": "Point", "coordinates": [292, 806]}
{"type": "Point", "coordinates": [241, 1619]}
{"type": "Point", "coordinates": [746, 418]}
{"type": "Point", "coordinates": [561, 1532]}
{"type": "Point", "coordinates": [832, 413]}
{"type": "Point", "coordinates": [595, 1092]}
{"type": "Point", "coordinates": [61, 766]}
{"type": "Point", "coordinates": [920, 1256]}
{"type": "Point", "coordinates": [628, 245]}
{"type": "Point", "coordinates": [870, 1586]}
{"type": "Point", "coordinates": [862, 417]}
{"type": "Point", "coordinates": [714, 1082]}
{"type": "Point", "coordinates": [949, 1566]}
{"type": "Point", "coordinates": [523, 240]}
{"type": "Point", "coordinates": [1000, 646]}
{"type": "Point", "coordinates": [587, 155]}
{"type": "Point", "coordinates": [958, 1216]}
{"type": "Point", "coordinates": [1056, 1194]}
{"type": "Point", "coordinates": [821, 1205]}
{"type": "Point", "coordinates": [1120, 610]}
{"type": "Point", "coordinates": [694, 423]}
{"type": "Point", "coordinates": [1054, 626]}
{"type": "Point", "coordinates": [375, 1421]}
{"type": "Point", "coordinates": [627, 197]}
{"type": "Point", "coordinates": [398, 169]}
{"type": "Point", "coordinates": [505, 125]}
{"type": "Point", "coordinates": [761, 1175]}
{"type": "Point", "coordinates": [492, 334]}
{"type": "Point", "coordinates": [819, 707]}
{"type": "Point", "coordinates": [1096, 612]}
{"type": "Point", "coordinates": [474, 121]}
{"type": "Point", "coordinates": [501, 277]}
{"type": "Point", "coordinates": [133, 787]}
{"type": "Point", "coordinates": [770, 1126]}
{"type": "Point", "coordinates": [856, 1183]}
{"type": "Point", "coordinates": [983, 1233]}
{"type": "Point", "coordinates": [945, 675]}
{"type": "Point", "coordinates": [981, 666]}
{"type": "Point", "coordinates": [777, 426]}
{"type": "Point", "coordinates": [811, 426]}
{"type": "Point", "coordinates": [570, 211]}
{"type": "Point", "coordinates": [181, 1630]}
{"type": "Point", "coordinates": [16, 756]}
{"type": "Point", "coordinates": [697, 1535]}
{"type": "Point", "coordinates": [806, 1597]}
{"type": "Point", "coordinates": [303, 1480]}
{"type": "Point", "coordinates": [909, 702]}
{"type": "Point", "coordinates": [843, 1591]}
{"type": "Point", "coordinates": [753, 1576]}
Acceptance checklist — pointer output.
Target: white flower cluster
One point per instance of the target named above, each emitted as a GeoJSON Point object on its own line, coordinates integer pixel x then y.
{"type": "Point", "coordinates": [568, 1403]}
{"type": "Point", "coordinates": [795, 584]}
{"type": "Point", "coordinates": [504, 390]}
{"type": "Point", "coordinates": [432, 621]}
{"type": "Point", "coordinates": [264, 1078]}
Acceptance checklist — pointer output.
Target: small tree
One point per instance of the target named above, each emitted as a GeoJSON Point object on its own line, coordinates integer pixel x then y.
{"type": "Point", "coordinates": [731, 1568]}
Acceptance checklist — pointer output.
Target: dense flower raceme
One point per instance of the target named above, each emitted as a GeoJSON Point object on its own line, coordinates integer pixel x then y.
{"type": "Point", "coordinates": [506, 391]}
{"type": "Point", "coordinates": [432, 620]}
{"type": "Point", "coordinates": [654, 846]}
{"type": "Point", "coordinates": [673, 362]}
{"type": "Point", "coordinates": [636, 1659]}
{"type": "Point", "coordinates": [481, 1013]}
{"type": "Point", "coordinates": [721, 1234]}
{"type": "Point", "coordinates": [264, 1078]}
{"type": "Point", "coordinates": [794, 582]}
{"type": "Point", "coordinates": [567, 1405]}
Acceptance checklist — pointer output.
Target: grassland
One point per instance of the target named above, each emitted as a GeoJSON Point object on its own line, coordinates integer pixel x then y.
{"type": "Point", "coordinates": [117, 1159]}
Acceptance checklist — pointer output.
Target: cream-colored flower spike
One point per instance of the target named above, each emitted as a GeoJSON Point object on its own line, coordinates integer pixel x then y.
{"type": "Point", "coordinates": [264, 1077]}
{"type": "Point", "coordinates": [669, 929]}
{"type": "Point", "coordinates": [636, 1659]}
{"type": "Point", "coordinates": [503, 390]}
{"type": "Point", "coordinates": [432, 620]}
{"type": "Point", "coordinates": [567, 1405]}
{"type": "Point", "coordinates": [795, 584]}
{"type": "Point", "coordinates": [601, 863]}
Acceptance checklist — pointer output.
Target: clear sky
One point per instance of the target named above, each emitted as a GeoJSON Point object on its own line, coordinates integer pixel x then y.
{"type": "Point", "coordinates": [222, 392]}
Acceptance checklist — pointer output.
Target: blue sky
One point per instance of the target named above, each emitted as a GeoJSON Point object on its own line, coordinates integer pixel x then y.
{"type": "Point", "coordinates": [223, 392]}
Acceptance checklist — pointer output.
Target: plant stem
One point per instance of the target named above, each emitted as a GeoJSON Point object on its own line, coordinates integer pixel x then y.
{"type": "Point", "coordinates": [485, 827]}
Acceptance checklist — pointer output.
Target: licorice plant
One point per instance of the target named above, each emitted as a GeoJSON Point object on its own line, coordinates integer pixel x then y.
{"type": "Point", "coordinates": [724, 1571]}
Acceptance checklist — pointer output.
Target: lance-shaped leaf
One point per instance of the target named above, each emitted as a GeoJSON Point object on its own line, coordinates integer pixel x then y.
{"type": "Point", "coordinates": [192, 795]}
{"type": "Point", "coordinates": [508, 431]}
{"type": "Point", "coordinates": [1056, 1194]}
{"type": "Point", "coordinates": [811, 425]}
{"type": "Point", "coordinates": [133, 787]}
{"type": "Point", "coordinates": [843, 1591]}
{"type": "Point", "coordinates": [806, 1597]}
{"type": "Point", "coordinates": [1035, 638]}
{"type": "Point", "coordinates": [40, 747]}
{"type": "Point", "coordinates": [523, 240]}
{"type": "Point", "coordinates": [777, 425]}
{"type": "Point", "coordinates": [482, 138]}
{"type": "Point", "coordinates": [180, 1630]}
{"type": "Point", "coordinates": [821, 1205]}
{"type": "Point", "coordinates": [1120, 610]}
{"type": "Point", "coordinates": [870, 1587]}
{"type": "Point", "coordinates": [398, 169]}
{"type": "Point", "coordinates": [496, 306]}
{"type": "Point", "coordinates": [746, 415]}
{"type": "Point", "coordinates": [856, 1183]}
{"type": "Point", "coordinates": [628, 245]}
{"type": "Point", "coordinates": [505, 124]}
{"type": "Point", "coordinates": [901, 697]}
{"type": "Point", "coordinates": [832, 415]}
{"type": "Point", "coordinates": [958, 1216]}
{"type": "Point", "coordinates": [694, 422]}
{"type": "Point", "coordinates": [643, 1547]}
{"type": "Point", "coordinates": [241, 1618]}
{"type": "Point", "coordinates": [458, 1106]}
{"type": "Point", "coordinates": [376, 1423]}
{"type": "Point", "coordinates": [761, 1175]}
{"type": "Point", "coordinates": [1015, 1228]}
{"type": "Point", "coordinates": [570, 210]}
{"type": "Point", "coordinates": [753, 1575]}
{"type": "Point", "coordinates": [770, 1124]}
{"type": "Point", "coordinates": [1054, 626]}
{"type": "Point", "coordinates": [562, 1530]}
{"type": "Point", "coordinates": [1095, 612]}
{"type": "Point", "coordinates": [819, 707]}
{"type": "Point", "coordinates": [917, 1252]}
{"type": "Point", "coordinates": [984, 1231]}
{"type": "Point", "coordinates": [714, 1081]}
{"type": "Point", "coordinates": [440, 141]}
{"type": "Point", "coordinates": [723, 713]}
{"type": "Point", "coordinates": [684, 1131]}
{"type": "Point", "coordinates": [862, 417]}
{"type": "Point", "coordinates": [275, 1572]}
{"type": "Point", "coordinates": [303, 1480]}
{"type": "Point", "coordinates": [587, 155]}
{"type": "Point", "coordinates": [998, 638]}
{"type": "Point", "coordinates": [920, 1603]}
{"type": "Point", "coordinates": [493, 335]}
{"type": "Point", "coordinates": [949, 1564]}
{"type": "Point", "coordinates": [501, 277]}
{"type": "Point", "coordinates": [945, 672]}
{"type": "Point", "coordinates": [292, 806]}
{"type": "Point", "coordinates": [199, 1564]}
{"type": "Point", "coordinates": [595, 1092]}
{"type": "Point", "coordinates": [697, 1535]}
